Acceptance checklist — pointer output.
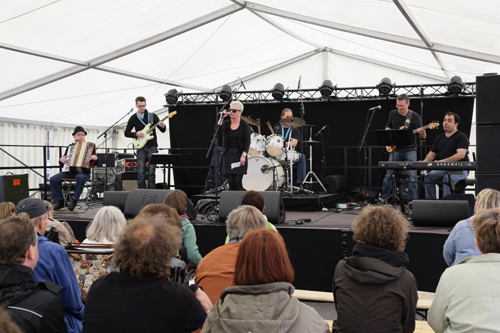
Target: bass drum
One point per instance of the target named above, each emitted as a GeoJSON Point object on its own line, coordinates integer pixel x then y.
{"type": "Point", "coordinates": [260, 172]}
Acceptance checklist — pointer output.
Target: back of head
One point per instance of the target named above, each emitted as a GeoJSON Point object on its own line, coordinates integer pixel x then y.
{"type": "Point", "coordinates": [487, 230]}
{"type": "Point", "coordinates": [488, 199]}
{"type": "Point", "coordinates": [170, 214]}
{"type": "Point", "coordinates": [107, 224]}
{"type": "Point", "coordinates": [253, 198]}
{"type": "Point", "coordinates": [146, 247]}
{"type": "Point", "coordinates": [381, 226]}
{"type": "Point", "coordinates": [33, 209]}
{"type": "Point", "coordinates": [176, 199]}
{"type": "Point", "coordinates": [7, 209]}
{"type": "Point", "coordinates": [263, 258]}
{"type": "Point", "coordinates": [243, 220]}
{"type": "Point", "coordinates": [16, 236]}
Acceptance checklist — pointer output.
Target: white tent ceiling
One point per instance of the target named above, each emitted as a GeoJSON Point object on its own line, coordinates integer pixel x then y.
{"type": "Point", "coordinates": [85, 61]}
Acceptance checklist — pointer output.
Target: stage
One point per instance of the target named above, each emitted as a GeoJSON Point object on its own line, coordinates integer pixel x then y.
{"type": "Point", "coordinates": [315, 247]}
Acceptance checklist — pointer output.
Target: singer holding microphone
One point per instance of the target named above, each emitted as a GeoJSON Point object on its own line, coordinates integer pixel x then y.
{"type": "Point", "coordinates": [235, 143]}
{"type": "Point", "coordinates": [403, 118]}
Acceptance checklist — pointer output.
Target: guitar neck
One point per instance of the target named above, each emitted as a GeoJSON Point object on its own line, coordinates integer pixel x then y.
{"type": "Point", "coordinates": [167, 116]}
{"type": "Point", "coordinates": [424, 127]}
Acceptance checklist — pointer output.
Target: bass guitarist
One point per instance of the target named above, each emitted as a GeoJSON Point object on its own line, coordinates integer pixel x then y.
{"type": "Point", "coordinates": [403, 118]}
{"type": "Point", "coordinates": [138, 122]}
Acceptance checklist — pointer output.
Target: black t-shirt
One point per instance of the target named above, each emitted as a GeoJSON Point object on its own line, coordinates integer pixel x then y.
{"type": "Point", "coordinates": [396, 121]}
{"type": "Point", "coordinates": [135, 122]}
{"type": "Point", "coordinates": [445, 147]}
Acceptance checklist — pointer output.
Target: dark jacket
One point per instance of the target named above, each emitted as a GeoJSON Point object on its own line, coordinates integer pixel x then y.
{"type": "Point", "coordinates": [243, 135]}
{"type": "Point", "coordinates": [374, 292]}
{"type": "Point", "coordinates": [34, 307]}
{"type": "Point", "coordinates": [135, 123]}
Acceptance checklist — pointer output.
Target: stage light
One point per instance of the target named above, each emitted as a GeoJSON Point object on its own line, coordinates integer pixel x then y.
{"type": "Point", "coordinates": [455, 85]}
{"type": "Point", "coordinates": [385, 86]}
{"type": "Point", "coordinates": [326, 88]}
{"type": "Point", "coordinates": [278, 91]}
{"type": "Point", "coordinates": [172, 96]}
{"type": "Point", "coordinates": [225, 93]}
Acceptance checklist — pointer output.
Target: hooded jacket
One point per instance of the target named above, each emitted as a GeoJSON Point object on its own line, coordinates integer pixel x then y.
{"type": "Point", "coordinates": [263, 308]}
{"type": "Point", "coordinates": [34, 307]}
{"type": "Point", "coordinates": [374, 292]}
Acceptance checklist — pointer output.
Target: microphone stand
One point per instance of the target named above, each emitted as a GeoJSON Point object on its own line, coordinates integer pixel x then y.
{"type": "Point", "coordinates": [363, 141]}
{"type": "Point", "coordinates": [105, 134]}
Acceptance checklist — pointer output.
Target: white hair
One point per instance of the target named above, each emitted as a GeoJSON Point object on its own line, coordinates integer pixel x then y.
{"type": "Point", "coordinates": [107, 224]}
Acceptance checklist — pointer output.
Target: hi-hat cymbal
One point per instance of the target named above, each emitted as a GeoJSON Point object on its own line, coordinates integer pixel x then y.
{"type": "Point", "coordinates": [312, 141]}
{"type": "Point", "coordinates": [250, 121]}
{"type": "Point", "coordinates": [292, 122]}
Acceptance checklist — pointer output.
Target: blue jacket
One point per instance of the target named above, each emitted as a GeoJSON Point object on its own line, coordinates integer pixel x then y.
{"type": "Point", "coordinates": [460, 243]}
{"type": "Point", "coordinates": [54, 265]}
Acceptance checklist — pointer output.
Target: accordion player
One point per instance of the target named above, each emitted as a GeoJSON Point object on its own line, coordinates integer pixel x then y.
{"type": "Point", "coordinates": [79, 157]}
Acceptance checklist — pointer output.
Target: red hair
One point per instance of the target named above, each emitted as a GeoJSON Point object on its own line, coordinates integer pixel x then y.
{"type": "Point", "coordinates": [263, 258]}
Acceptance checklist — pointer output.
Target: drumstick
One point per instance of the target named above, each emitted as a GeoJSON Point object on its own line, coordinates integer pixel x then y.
{"type": "Point", "coordinates": [258, 129]}
{"type": "Point", "coordinates": [270, 127]}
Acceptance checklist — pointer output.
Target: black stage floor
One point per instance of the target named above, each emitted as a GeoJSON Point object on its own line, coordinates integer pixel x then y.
{"type": "Point", "coordinates": [315, 247]}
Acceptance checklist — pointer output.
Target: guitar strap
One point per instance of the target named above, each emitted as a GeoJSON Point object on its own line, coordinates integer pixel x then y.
{"type": "Point", "coordinates": [408, 119]}
{"type": "Point", "coordinates": [141, 119]}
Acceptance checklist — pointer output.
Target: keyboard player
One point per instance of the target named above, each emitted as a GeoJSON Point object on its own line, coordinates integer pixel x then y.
{"type": "Point", "coordinates": [450, 146]}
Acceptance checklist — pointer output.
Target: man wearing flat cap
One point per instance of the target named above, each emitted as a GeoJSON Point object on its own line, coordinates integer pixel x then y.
{"type": "Point", "coordinates": [80, 177]}
{"type": "Point", "coordinates": [54, 264]}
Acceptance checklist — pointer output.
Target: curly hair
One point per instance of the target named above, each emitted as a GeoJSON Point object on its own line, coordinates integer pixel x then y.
{"type": "Point", "coordinates": [169, 213]}
{"type": "Point", "coordinates": [176, 199]}
{"type": "Point", "coordinates": [487, 230]}
{"type": "Point", "coordinates": [16, 236]}
{"type": "Point", "coordinates": [381, 226]}
{"type": "Point", "coordinates": [146, 247]}
{"type": "Point", "coordinates": [243, 219]}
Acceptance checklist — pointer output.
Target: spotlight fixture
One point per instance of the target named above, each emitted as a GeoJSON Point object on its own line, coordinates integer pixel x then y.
{"type": "Point", "coordinates": [326, 88]}
{"type": "Point", "coordinates": [225, 93]}
{"type": "Point", "coordinates": [278, 92]}
{"type": "Point", "coordinates": [385, 86]}
{"type": "Point", "coordinates": [172, 96]}
{"type": "Point", "coordinates": [455, 85]}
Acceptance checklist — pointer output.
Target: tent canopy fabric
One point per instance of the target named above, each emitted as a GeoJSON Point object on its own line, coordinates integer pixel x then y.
{"type": "Point", "coordinates": [84, 62]}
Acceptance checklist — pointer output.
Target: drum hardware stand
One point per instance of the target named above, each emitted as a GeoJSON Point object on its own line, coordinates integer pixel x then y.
{"type": "Point", "coordinates": [311, 172]}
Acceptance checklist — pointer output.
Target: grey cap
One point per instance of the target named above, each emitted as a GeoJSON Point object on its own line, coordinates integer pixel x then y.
{"type": "Point", "coordinates": [33, 207]}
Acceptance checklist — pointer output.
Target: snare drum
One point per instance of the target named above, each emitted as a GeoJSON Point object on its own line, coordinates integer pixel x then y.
{"type": "Point", "coordinates": [293, 156]}
{"type": "Point", "coordinates": [260, 172]}
{"type": "Point", "coordinates": [257, 145]}
{"type": "Point", "coordinates": [274, 145]}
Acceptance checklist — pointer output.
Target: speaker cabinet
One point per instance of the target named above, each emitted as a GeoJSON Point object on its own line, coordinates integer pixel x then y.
{"type": "Point", "coordinates": [139, 198]}
{"type": "Point", "coordinates": [274, 210]}
{"type": "Point", "coordinates": [487, 181]}
{"type": "Point", "coordinates": [335, 184]}
{"type": "Point", "coordinates": [115, 198]}
{"type": "Point", "coordinates": [487, 87]}
{"type": "Point", "coordinates": [486, 145]}
{"type": "Point", "coordinates": [439, 213]}
{"type": "Point", "coordinates": [13, 188]}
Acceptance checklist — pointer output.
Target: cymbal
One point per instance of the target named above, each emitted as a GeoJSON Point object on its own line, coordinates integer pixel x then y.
{"type": "Point", "coordinates": [292, 122]}
{"type": "Point", "coordinates": [250, 121]}
{"type": "Point", "coordinates": [312, 141]}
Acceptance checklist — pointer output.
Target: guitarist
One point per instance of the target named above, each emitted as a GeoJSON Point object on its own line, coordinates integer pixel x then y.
{"type": "Point", "coordinates": [403, 118]}
{"type": "Point", "coordinates": [138, 121]}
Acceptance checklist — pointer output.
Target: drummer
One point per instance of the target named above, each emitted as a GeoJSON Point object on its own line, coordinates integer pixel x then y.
{"type": "Point", "coordinates": [294, 133]}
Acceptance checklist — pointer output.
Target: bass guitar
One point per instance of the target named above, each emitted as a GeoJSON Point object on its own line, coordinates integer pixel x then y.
{"type": "Point", "coordinates": [390, 149]}
{"type": "Point", "coordinates": [141, 142]}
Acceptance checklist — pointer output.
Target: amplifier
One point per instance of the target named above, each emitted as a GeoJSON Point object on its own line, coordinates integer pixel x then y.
{"type": "Point", "coordinates": [126, 165]}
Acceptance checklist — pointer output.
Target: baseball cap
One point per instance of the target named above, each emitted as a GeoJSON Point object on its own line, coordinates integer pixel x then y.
{"type": "Point", "coordinates": [32, 206]}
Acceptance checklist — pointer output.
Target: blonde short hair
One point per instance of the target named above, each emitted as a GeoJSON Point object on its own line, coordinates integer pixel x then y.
{"type": "Point", "coordinates": [240, 105]}
{"type": "Point", "coordinates": [487, 199]}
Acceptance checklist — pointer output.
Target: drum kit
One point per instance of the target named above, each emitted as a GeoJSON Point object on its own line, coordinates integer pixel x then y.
{"type": "Point", "coordinates": [271, 158]}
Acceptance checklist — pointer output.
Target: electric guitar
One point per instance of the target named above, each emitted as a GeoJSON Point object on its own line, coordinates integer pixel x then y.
{"type": "Point", "coordinates": [141, 142]}
{"type": "Point", "coordinates": [390, 149]}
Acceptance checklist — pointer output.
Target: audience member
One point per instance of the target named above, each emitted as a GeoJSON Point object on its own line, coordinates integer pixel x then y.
{"type": "Point", "coordinates": [169, 213]}
{"type": "Point", "coordinates": [54, 264]}
{"type": "Point", "coordinates": [373, 290]}
{"type": "Point", "coordinates": [468, 294]}
{"type": "Point", "coordinates": [216, 270]}
{"type": "Point", "coordinates": [34, 307]}
{"type": "Point", "coordinates": [106, 226]}
{"type": "Point", "coordinates": [64, 230]}
{"type": "Point", "coordinates": [178, 200]}
{"type": "Point", "coordinates": [141, 297]}
{"type": "Point", "coordinates": [7, 209]}
{"type": "Point", "coordinates": [261, 300]}
{"type": "Point", "coordinates": [460, 243]}
{"type": "Point", "coordinates": [6, 323]}
{"type": "Point", "coordinates": [254, 198]}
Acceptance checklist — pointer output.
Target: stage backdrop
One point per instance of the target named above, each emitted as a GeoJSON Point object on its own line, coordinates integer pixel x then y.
{"type": "Point", "coordinates": [192, 128]}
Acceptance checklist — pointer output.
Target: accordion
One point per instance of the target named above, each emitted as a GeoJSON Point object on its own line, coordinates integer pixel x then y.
{"type": "Point", "coordinates": [79, 157]}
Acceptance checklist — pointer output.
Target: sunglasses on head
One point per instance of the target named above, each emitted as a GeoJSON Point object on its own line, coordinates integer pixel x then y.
{"type": "Point", "coordinates": [233, 110]}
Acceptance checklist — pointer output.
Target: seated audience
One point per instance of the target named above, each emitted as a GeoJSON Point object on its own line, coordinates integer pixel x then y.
{"type": "Point", "coordinates": [460, 243]}
{"type": "Point", "coordinates": [261, 300]}
{"type": "Point", "coordinates": [178, 200]}
{"type": "Point", "coordinates": [255, 199]}
{"type": "Point", "coordinates": [106, 226]}
{"type": "Point", "coordinates": [468, 294]}
{"type": "Point", "coordinates": [34, 307]}
{"type": "Point", "coordinates": [373, 290]}
{"type": "Point", "coordinates": [141, 297]}
{"type": "Point", "coordinates": [169, 213]}
{"type": "Point", "coordinates": [64, 230]}
{"type": "Point", "coordinates": [216, 270]}
{"type": "Point", "coordinates": [54, 264]}
{"type": "Point", "coordinates": [7, 209]}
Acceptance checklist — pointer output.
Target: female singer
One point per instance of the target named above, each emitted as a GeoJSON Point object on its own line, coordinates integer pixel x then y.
{"type": "Point", "coordinates": [236, 141]}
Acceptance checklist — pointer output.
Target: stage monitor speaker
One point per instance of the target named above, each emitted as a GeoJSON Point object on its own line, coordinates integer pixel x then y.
{"type": "Point", "coordinates": [13, 188]}
{"type": "Point", "coordinates": [115, 198]}
{"type": "Point", "coordinates": [486, 144]}
{"type": "Point", "coordinates": [487, 87]}
{"type": "Point", "coordinates": [439, 213]}
{"type": "Point", "coordinates": [139, 198]}
{"type": "Point", "coordinates": [273, 200]}
{"type": "Point", "coordinates": [335, 184]}
{"type": "Point", "coordinates": [487, 181]}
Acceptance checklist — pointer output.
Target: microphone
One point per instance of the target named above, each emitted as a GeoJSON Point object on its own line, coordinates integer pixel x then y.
{"type": "Point", "coordinates": [265, 169]}
{"type": "Point", "coordinates": [378, 107]}
{"type": "Point", "coordinates": [131, 109]}
{"type": "Point", "coordinates": [321, 130]}
{"type": "Point", "coordinates": [222, 112]}
{"type": "Point", "coordinates": [242, 83]}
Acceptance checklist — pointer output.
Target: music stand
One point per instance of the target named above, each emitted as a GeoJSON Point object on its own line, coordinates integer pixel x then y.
{"type": "Point", "coordinates": [392, 138]}
{"type": "Point", "coordinates": [164, 159]}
